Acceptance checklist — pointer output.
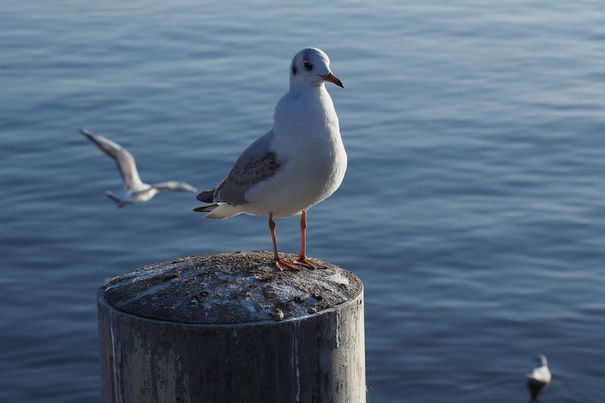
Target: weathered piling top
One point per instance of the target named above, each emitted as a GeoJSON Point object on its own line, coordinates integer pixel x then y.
{"type": "Point", "coordinates": [229, 288]}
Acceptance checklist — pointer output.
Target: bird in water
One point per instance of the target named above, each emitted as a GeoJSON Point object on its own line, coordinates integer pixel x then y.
{"type": "Point", "coordinates": [539, 378]}
{"type": "Point", "coordinates": [135, 190]}
{"type": "Point", "coordinates": [300, 162]}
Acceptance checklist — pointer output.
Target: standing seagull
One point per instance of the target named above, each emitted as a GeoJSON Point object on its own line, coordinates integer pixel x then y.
{"type": "Point", "coordinates": [299, 163]}
{"type": "Point", "coordinates": [539, 378]}
{"type": "Point", "coordinates": [135, 191]}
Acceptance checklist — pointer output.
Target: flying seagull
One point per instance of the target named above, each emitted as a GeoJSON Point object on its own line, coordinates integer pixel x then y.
{"type": "Point", "coordinates": [539, 378]}
{"type": "Point", "coordinates": [297, 164]}
{"type": "Point", "coordinates": [135, 190]}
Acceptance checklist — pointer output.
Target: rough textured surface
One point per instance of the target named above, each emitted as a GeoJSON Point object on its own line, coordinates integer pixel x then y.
{"type": "Point", "coordinates": [261, 345]}
{"type": "Point", "coordinates": [236, 287]}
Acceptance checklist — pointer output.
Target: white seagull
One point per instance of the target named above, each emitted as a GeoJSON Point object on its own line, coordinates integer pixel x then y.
{"type": "Point", "coordinates": [135, 190]}
{"type": "Point", "coordinates": [539, 378]}
{"type": "Point", "coordinates": [299, 163]}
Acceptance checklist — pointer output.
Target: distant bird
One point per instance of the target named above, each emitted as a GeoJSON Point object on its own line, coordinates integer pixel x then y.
{"type": "Point", "coordinates": [299, 163]}
{"type": "Point", "coordinates": [135, 191]}
{"type": "Point", "coordinates": [539, 378]}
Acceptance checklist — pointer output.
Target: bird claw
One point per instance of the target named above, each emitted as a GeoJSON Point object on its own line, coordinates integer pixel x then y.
{"type": "Point", "coordinates": [310, 263]}
{"type": "Point", "coordinates": [279, 262]}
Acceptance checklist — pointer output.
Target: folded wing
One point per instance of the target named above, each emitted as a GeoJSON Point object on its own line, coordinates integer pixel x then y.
{"type": "Point", "coordinates": [257, 163]}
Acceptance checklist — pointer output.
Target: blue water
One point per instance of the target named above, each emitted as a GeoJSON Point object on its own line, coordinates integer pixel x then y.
{"type": "Point", "coordinates": [473, 207]}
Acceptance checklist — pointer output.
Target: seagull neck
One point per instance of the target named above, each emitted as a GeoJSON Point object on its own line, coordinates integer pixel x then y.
{"type": "Point", "coordinates": [296, 88]}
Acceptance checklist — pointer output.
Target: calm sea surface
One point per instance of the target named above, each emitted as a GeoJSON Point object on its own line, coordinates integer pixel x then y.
{"type": "Point", "coordinates": [473, 207]}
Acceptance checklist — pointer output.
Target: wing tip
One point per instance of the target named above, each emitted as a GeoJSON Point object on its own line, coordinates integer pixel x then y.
{"type": "Point", "coordinates": [206, 196]}
{"type": "Point", "coordinates": [205, 209]}
{"type": "Point", "coordinates": [218, 211]}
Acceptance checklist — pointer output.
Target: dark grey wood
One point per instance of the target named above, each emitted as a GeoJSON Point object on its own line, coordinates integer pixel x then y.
{"type": "Point", "coordinates": [293, 348]}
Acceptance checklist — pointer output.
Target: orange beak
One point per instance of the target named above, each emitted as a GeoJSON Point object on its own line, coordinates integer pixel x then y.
{"type": "Point", "coordinates": [333, 79]}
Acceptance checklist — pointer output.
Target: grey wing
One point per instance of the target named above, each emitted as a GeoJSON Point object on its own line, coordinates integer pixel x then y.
{"type": "Point", "coordinates": [124, 160]}
{"type": "Point", "coordinates": [256, 164]}
{"type": "Point", "coordinates": [176, 186]}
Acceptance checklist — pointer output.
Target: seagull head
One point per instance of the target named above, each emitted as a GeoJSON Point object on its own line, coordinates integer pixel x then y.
{"type": "Point", "coordinates": [541, 359]}
{"type": "Point", "coordinates": [311, 67]}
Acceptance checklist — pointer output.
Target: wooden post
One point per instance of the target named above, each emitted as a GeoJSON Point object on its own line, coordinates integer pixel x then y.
{"type": "Point", "coordinates": [231, 329]}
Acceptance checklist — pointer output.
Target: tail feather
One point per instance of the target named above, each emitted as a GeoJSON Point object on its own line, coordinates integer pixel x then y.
{"type": "Point", "coordinates": [207, 196]}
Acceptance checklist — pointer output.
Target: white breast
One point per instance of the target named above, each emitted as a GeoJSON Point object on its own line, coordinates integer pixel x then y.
{"type": "Point", "coordinates": [541, 374]}
{"type": "Point", "coordinates": [311, 153]}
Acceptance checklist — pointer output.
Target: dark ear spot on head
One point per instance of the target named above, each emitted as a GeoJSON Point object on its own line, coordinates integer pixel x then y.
{"type": "Point", "coordinates": [293, 69]}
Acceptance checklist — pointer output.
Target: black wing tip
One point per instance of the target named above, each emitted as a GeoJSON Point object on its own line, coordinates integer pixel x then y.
{"type": "Point", "coordinates": [88, 133]}
{"type": "Point", "coordinates": [205, 209]}
{"type": "Point", "coordinates": [207, 196]}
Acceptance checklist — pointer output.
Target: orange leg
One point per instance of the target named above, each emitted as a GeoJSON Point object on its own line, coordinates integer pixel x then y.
{"type": "Point", "coordinates": [277, 261]}
{"type": "Point", "coordinates": [303, 235]}
{"type": "Point", "coordinates": [302, 258]}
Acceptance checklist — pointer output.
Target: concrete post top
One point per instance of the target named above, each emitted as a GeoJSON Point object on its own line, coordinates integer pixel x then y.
{"type": "Point", "coordinates": [230, 288]}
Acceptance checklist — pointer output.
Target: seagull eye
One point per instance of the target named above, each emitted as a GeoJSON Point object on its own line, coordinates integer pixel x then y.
{"type": "Point", "coordinates": [308, 66]}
